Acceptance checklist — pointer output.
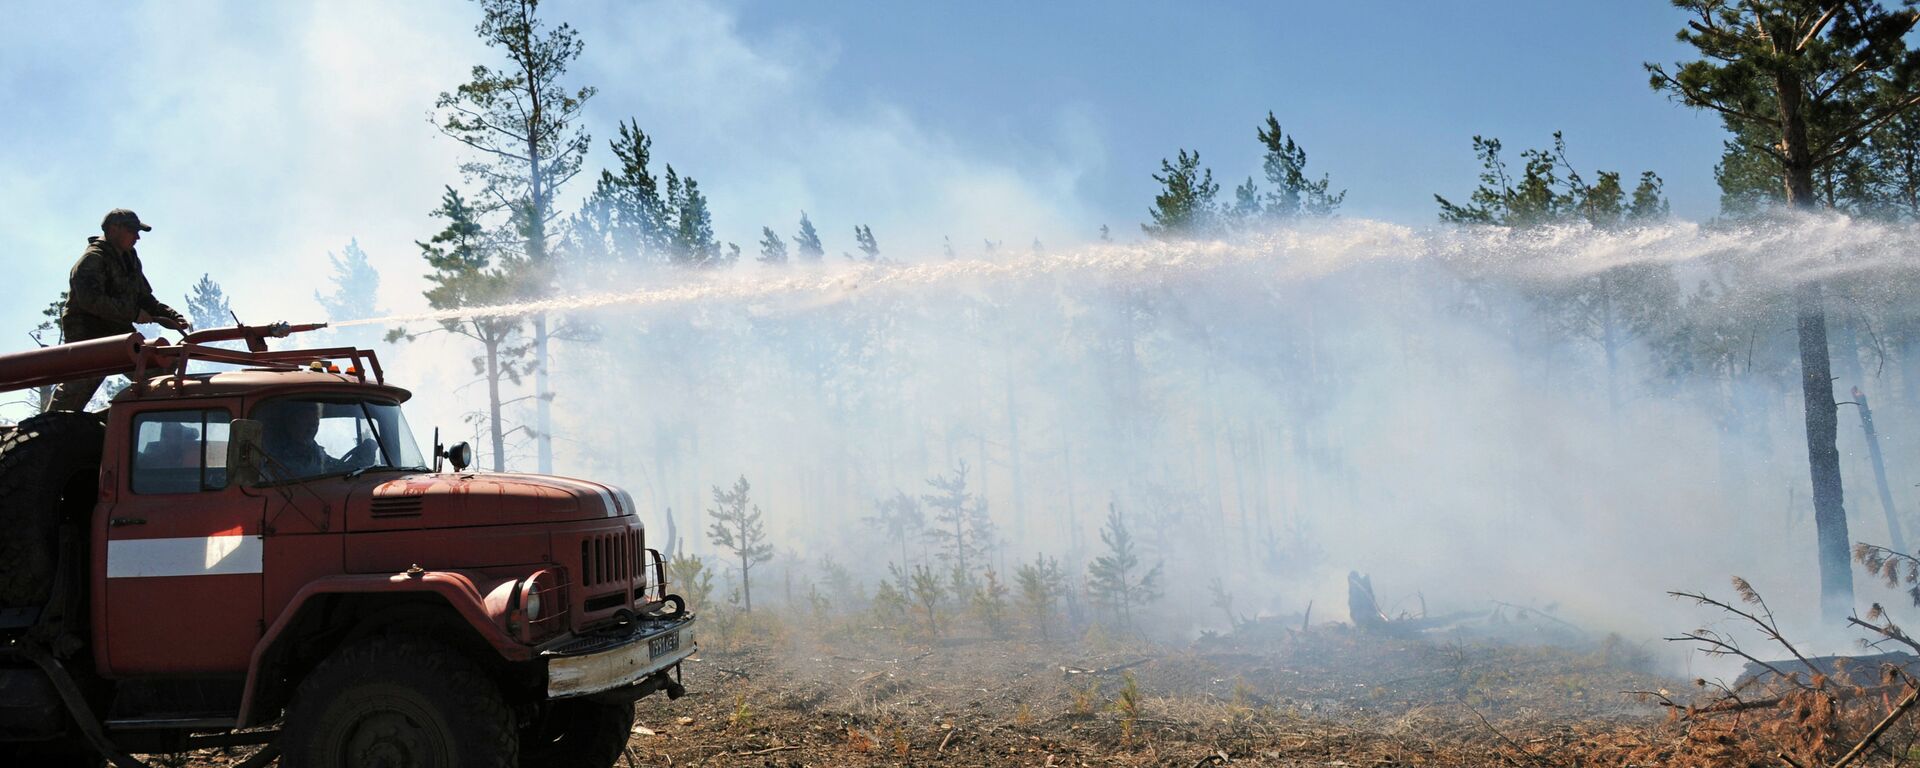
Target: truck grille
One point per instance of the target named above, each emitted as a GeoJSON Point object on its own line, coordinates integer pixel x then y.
{"type": "Point", "coordinates": [610, 558]}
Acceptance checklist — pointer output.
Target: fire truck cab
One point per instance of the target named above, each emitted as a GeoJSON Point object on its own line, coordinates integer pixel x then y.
{"type": "Point", "coordinates": [266, 556]}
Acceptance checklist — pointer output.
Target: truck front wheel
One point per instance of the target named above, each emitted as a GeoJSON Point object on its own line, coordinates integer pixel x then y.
{"type": "Point", "coordinates": [400, 703]}
{"type": "Point", "coordinates": [579, 733]}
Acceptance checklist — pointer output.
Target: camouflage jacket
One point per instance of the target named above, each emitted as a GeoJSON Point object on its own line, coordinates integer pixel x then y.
{"type": "Point", "coordinates": [106, 293]}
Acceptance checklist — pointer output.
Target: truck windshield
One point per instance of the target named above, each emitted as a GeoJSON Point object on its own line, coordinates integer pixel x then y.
{"type": "Point", "coordinates": [306, 437]}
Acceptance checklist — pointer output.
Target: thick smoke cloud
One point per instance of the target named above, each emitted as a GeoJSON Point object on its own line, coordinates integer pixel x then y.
{"type": "Point", "coordinates": [1271, 410]}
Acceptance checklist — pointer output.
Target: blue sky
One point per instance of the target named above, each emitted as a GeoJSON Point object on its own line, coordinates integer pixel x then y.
{"type": "Point", "coordinates": [260, 137]}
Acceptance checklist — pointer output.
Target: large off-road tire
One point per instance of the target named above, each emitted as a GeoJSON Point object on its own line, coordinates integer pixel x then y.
{"type": "Point", "coordinates": [48, 464]}
{"type": "Point", "coordinates": [398, 702]}
{"type": "Point", "coordinates": [578, 733]}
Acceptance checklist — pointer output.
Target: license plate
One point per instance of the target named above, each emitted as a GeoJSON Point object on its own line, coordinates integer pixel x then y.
{"type": "Point", "coordinates": [663, 645]}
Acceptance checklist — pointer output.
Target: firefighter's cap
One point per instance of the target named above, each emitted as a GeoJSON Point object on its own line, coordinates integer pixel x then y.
{"type": "Point", "coordinates": [124, 218]}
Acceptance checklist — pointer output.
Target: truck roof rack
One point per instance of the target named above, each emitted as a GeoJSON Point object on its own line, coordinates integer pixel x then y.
{"type": "Point", "coordinates": [140, 358]}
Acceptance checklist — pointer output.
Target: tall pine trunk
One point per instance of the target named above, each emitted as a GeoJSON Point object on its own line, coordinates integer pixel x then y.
{"type": "Point", "coordinates": [493, 405]}
{"type": "Point", "coordinates": [1816, 372]}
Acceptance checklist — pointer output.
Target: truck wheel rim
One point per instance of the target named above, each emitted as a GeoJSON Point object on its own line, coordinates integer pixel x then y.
{"type": "Point", "coordinates": [395, 737]}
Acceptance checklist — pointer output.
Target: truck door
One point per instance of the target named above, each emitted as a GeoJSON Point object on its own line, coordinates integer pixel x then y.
{"type": "Point", "coordinates": [183, 552]}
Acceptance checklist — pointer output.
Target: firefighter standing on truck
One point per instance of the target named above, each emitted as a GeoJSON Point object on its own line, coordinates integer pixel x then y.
{"type": "Point", "coordinates": [106, 294]}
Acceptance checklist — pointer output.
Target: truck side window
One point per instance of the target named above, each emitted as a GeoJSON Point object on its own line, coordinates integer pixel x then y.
{"type": "Point", "coordinates": [180, 451]}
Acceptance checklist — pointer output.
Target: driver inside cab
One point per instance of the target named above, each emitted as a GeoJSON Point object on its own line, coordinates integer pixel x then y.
{"type": "Point", "coordinates": [288, 428]}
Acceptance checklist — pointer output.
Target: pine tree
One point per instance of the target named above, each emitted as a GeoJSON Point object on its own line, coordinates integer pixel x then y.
{"type": "Point", "coordinates": [1610, 308]}
{"type": "Point", "coordinates": [207, 305]}
{"type": "Point", "coordinates": [990, 603]}
{"type": "Point", "coordinates": [889, 601]}
{"type": "Point", "coordinates": [773, 250]}
{"type": "Point", "coordinates": [1537, 197]}
{"type": "Point", "coordinates": [1649, 203]}
{"type": "Point", "coordinates": [692, 243]}
{"type": "Point", "coordinates": [901, 520]}
{"type": "Point", "coordinates": [1041, 585]}
{"type": "Point", "coordinates": [807, 241]}
{"type": "Point", "coordinates": [355, 294]}
{"type": "Point", "coordinates": [525, 127]}
{"type": "Point", "coordinates": [1804, 84]}
{"type": "Point", "coordinates": [1185, 207]}
{"type": "Point", "coordinates": [356, 286]}
{"type": "Point", "coordinates": [47, 333]}
{"type": "Point", "coordinates": [1117, 578]}
{"type": "Point", "coordinates": [961, 529]}
{"type": "Point", "coordinates": [628, 216]}
{"type": "Point", "coordinates": [927, 591]}
{"type": "Point", "coordinates": [466, 273]}
{"type": "Point", "coordinates": [694, 577]}
{"type": "Point", "coordinates": [738, 530]}
{"type": "Point", "coordinates": [1246, 202]}
{"type": "Point", "coordinates": [1292, 194]}
{"type": "Point", "coordinates": [863, 235]}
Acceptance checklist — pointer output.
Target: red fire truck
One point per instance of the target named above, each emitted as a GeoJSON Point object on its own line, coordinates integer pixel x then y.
{"type": "Point", "coordinates": [263, 556]}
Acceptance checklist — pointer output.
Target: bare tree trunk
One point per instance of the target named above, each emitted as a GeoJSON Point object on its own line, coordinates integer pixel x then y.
{"type": "Point", "coordinates": [493, 405]}
{"type": "Point", "coordinates": [746, 583]}
{"type": "Point", "coordinates": [1823, 455]}
{"type": "Point", "coordinates": [1816, 373]}
{"type": "Point", "coordinates": [1894, 536]}
{"type": "Point", "coordinates": [542, 397]}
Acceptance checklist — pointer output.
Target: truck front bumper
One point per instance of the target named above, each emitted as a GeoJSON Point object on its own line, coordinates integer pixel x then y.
{"type": "Point", "coordinates": [609, 661]}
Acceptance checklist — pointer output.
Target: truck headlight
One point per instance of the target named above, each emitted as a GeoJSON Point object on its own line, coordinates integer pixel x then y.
{"type": "Point", "coordinates": [534, 602]}
{"type": "Point", "coordinates": [542, 602]}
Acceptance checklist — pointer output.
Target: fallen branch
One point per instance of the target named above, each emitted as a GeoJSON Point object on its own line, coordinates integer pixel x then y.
{"type": "Point", "coordinates": [1066, 671]}
{"type": "Point", "coordinates": [1725, 706]}
{"type": "Point", "coordinates": [771, 750]}
{"type": "Point", "coordinates": [943, 742]}
{"type": "Point", "coordinates": [1899, 711]}
{"type": "Point", "coordinates": [1217, 758]}
{"type": "Point", "coordinates": [1523, 610]}
{"type": "Point", "coordinates": [734, 672]}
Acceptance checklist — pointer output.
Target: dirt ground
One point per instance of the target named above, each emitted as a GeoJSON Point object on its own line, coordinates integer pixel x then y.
{"type": "Point", "coordinates": [1268, 695]}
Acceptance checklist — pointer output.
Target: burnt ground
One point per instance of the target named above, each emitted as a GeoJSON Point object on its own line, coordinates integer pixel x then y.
{"type": "Point", "coordinates": [1328, 697]}
{"type": "Point", "coordinates": [1267, 695]}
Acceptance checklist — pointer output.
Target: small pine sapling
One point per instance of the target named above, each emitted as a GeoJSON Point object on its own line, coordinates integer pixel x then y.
{"type": "Point", "coordinates": [842, 588]}
{"type": "Point", "coordinates": [1127, 705]}
{"type": "Point", "coordinates": [738, 530]}
{"type": "Point", "coordinates": [890, 603]}
{"type": "Point", "coordinates": [928, 591]}
{"type": "Point", "coordinates": [961, 529]}
{"type": "Point", "coordinates": [692, 578]}
{"type": "Point", "coordinates": [1041, 585]}
{"type": "Point", "coordinates": [900, 519]}
{"type": "Point", "coordinates": [990, 603]}
{"type": "Point", "coordinates": [1118, 579]}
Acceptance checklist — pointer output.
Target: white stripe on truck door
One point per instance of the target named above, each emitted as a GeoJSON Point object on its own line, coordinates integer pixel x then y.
{"type": "Point", "coordinates": [190, 556]}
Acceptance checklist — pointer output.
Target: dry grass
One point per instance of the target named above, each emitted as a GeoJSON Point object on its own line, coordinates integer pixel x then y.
{"type": "Point", "coordinates": [1324, 697]}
